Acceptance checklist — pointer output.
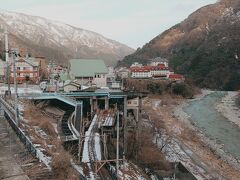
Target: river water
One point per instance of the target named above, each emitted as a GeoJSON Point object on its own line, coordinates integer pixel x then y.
{"type": "Point", "coordinates": [213, 124]}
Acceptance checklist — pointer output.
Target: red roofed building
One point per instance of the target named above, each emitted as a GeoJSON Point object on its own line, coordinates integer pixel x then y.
{"type": "Point", "coordinates": [176, 77]}
{"type": "Point", "coordinates": [140, 72]}
{"type": "Point", "coordinates": [150, 71]}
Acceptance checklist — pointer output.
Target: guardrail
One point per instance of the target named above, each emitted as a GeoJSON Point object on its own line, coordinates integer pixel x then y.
{"type": "Point", "coordinates": [10, 116]}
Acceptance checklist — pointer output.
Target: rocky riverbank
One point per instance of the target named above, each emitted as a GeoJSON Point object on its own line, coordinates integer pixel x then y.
{"type": "Point", "coordinates": [228, 108]}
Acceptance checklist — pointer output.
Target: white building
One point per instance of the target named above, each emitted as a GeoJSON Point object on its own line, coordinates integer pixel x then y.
{"type": "Point", "coordinates": [111, 72]}
{"type": "Point", "coordinates": [159, 71]}
{"type": "Point", "coordinates": [157, 61]}
{"type": "Point", "coordinates": [123, 72]}
{"type": "Point", "coordinates": [136, 64]}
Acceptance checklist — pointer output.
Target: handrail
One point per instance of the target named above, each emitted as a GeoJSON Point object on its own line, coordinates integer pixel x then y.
{"type": "Point", "coordinates": [71, 126]}
{"type": "Point", "coordinates": [28, 143]}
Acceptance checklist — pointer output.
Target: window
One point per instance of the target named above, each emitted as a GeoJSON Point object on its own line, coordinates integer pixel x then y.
{"type": "Point", "coordinates": [18, 68]}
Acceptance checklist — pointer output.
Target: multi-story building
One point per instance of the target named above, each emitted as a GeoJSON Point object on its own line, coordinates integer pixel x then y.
{"type": "Point", "coordinates": [27, 69]}
{"type": "Point", "coordinates": [150, 71]}
{"type": "Point", "coordinates": [122, 72]}
{"type": "Point", "coordinates": [88, 71]}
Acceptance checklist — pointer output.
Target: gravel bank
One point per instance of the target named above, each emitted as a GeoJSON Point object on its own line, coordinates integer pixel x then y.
{"type": "Point", "coordinates": [227, 107]}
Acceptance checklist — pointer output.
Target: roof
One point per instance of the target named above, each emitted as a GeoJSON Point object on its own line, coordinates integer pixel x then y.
{"type": "Point", "coordinates": [87, 67]}
{"type": "Point", "coordinates": [149, 68]}
{"type": "Point", "coordinates": [73, 83]}
{"type": "Point", "coordinates": [175, 76]}
{"type": "Point", "coordinates": [32, 61]}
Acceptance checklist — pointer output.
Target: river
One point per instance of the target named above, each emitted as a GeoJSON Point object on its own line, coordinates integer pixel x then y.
{"type": "Point", "coordinates": [213, 124]}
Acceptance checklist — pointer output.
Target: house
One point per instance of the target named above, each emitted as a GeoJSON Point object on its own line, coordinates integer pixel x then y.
{"type": "Point", "coordinates": [42, 66]}
{"type": "Point", "coordinates": [176, 77]}
{"type": "Point", "coordinates": [111, 72]}
{"type": "Point", "coordinates": [2, 70]}
{"type": "Point", "coordinates": [71, 86]}
{"type": "Point", "coordinates": [123, 72]}
{"type": "Point", "coordinates": [85, 71]}
{"type": "Point", "coordinates": [140, 72]}
{"type": "Point", "coordinates": [150, 71]}
{"type": "Point", "coordinates": [25, 67]}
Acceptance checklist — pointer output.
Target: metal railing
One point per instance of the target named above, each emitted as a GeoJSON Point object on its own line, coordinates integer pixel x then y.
{"type": "Point", "coordinates": [10, 117]}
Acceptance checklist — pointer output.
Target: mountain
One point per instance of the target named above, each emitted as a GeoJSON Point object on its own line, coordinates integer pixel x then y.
{"type": "Point", "coordinates": [59, 41]}
{"type": "Point", "coordinates": [204, 47]}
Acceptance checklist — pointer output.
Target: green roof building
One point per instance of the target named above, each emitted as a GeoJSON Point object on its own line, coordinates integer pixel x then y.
{"type": "Point", "coordinates": [88, 71]}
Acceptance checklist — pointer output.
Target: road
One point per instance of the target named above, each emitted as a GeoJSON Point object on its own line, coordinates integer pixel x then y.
{"type": "Point", "coordinates": [9, 146]}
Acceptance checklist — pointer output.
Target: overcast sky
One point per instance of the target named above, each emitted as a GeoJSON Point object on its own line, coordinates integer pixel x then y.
{"type": "Point", "coordinates": [132, 22]}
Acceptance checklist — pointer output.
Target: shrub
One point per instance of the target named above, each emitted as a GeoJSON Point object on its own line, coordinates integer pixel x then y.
{"type": "Point", "coordinates": [61, 166]}
{"type": "Point", "coordinates": [156, 87]}
{"type": "Point", "coordinates": [182, 89]}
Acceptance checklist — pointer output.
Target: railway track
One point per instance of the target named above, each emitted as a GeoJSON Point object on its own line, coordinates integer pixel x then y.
{"type": "Point", "coordinates": [103, 172]}
{"type": "Point", "coordinates": [65, 128]}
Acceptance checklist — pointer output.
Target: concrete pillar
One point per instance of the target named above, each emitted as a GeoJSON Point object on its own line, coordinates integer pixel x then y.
{"type": "Point", "coordinates": [125, 108]}
{"type": "Point", "coordinates": [91, 104]}
{"type": "Point", "coordinates": [125, 125]}
{"type": "Point", "coordinates": [94, 103]}
{"type": "Point", "coordinates": [78, 116]}
{"type": "Point", "coordinates": [106, 103]}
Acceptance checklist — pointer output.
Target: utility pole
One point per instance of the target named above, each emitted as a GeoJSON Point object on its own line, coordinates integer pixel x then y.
{"type": "Point", "coordinates": [7, 59]}
{"type": "Point", "coordinates": [117, 158]}
{"type": "Point", "coordinates": [15, 54]}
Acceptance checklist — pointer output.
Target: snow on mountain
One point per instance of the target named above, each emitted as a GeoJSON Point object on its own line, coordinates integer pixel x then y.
{"type": "Point", "coordinates": [54, 34]}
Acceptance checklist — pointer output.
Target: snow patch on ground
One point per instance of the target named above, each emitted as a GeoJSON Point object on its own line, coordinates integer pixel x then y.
{"type": "Point", "coordinates": [176, 153]}
{"type": "Point", "coordinates": [86, 157]}
{"type": "Point", "coordinates": [86, 152]}
{"type": "Point", "coordinates": [43, 158]}
{"type": "Point", "coordinates": [97, 146]}
{"type": "Point", "coordinates": [179, 113]}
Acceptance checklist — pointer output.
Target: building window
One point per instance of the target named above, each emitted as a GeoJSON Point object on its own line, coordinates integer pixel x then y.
{"type": "Point", "coordinates": [18, 68]}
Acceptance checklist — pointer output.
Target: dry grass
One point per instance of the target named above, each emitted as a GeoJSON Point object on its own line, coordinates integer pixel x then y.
{"type": "Point", "coordinates": [190, 138]}
{"type": "Point", "coordinates": [61, 159]}
{"type": "Point", "coordinates": [61, 166]}
{"type": "Point", "coordinates": [36, 118]}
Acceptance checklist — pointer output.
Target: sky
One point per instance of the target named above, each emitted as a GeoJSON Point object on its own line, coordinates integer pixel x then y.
{"type": "Point", "coordinates": [131, 22]}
